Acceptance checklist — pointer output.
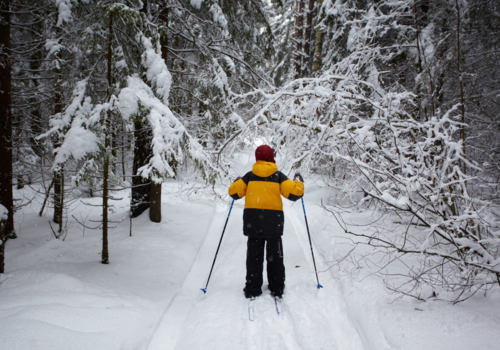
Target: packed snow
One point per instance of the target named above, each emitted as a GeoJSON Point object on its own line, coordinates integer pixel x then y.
{"type": "Point", "coordinates": [55, 294]}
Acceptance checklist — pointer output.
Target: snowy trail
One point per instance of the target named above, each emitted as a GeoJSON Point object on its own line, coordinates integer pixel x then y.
{"type": "Point", "coordinates": [333, 298]}
{"type": "Point", "coordinates": [168, 329]}
{"type": "Point", "coordinates": [313, 319]}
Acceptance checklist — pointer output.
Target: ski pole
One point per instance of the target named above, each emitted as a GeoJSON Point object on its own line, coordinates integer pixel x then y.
{"type": "Point", "coordinates": [310, 243]}
{"type": "Point", "coordinates": [217, 252]}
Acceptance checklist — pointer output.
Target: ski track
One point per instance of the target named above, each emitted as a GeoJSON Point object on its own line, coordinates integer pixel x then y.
{"type": "Point", "coordinates": [313, 319]}
{"type": "Point", "coordinates": [169, 325]}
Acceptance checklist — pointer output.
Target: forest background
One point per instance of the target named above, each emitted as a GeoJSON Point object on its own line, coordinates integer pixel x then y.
{"type": "Point", "coordinates": [394, 103]}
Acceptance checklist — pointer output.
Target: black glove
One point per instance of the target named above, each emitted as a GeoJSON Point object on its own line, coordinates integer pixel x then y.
{"type": "Point", "coordinates": [298, 177]}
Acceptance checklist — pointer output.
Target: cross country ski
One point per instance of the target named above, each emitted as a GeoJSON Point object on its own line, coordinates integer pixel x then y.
{"type": "Point", "coordinates": [251, 309]}
{"type": "Point", "coordinates": [278, 302]}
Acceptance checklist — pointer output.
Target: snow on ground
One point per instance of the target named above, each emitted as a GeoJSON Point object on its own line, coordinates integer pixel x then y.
{"type": "Point", "coordinates": [407, 324]}
{"type": "Point", "coordinates": [57, 295]}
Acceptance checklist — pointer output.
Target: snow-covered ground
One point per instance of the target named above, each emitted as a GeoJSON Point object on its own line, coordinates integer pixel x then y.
{"type": "Point", "coordinates": [57, 295]}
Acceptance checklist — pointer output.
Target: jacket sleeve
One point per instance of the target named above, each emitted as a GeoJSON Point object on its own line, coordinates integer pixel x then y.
{"type": "Point", "coordinates": [292, 190]}
{"type": "Point", "coordinates": [238, 189]}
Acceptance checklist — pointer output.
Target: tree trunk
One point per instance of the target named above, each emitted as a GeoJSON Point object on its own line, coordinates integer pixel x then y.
{"type": "Point", "coordinates": [318, 48]}
{"type": "Point", "coordinates": [141, 187]}
{"type": "Point", "coordinates": [46, 197]}
{"type": "Point", "coordinates": [36, 120]}
{"type": "Point", "coordinates": [462, 103]}
{"type": "Point", "coordinates": [105, 195]}
{"type": "Point", "coordinates": [20, 181]}
{"type": "Point", "coordinates": [155, 200]}
{"type": "Point", "coordinates": [164, 35]}
{"type": "Point", "coordinates": [58, 174]}
{"type": "Point", "coordinates": [123, 152]}
{"type": "Point", "coordinates": [61, 199]}
{"type": "Point", "coordinates": [307, 39]}
{"type": "Point", "coordinates": [107, 143]}
{"type": "Point", "coordinates": [58, 194]}
{"type": "Point", "coordinates": [6, 195]}
{"type": "Point", "coordinates": [299, 36]}
{"type": "Point", "coordinates": [155, 207]}
{"type": "Point", "coordinates": [114, 145]}
{"type": "Point", "coordinates": [105, 191]}
{"type": "Point", "coordinates": [144, 7]}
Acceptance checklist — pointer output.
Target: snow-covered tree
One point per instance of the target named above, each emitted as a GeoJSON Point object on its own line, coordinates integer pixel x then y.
{"type": "Point", "coordinates": [367, 119]}
{"type": "Point", "coordinates": [126, 81]}
{"type": "Point", "coordinates": [214, 50]}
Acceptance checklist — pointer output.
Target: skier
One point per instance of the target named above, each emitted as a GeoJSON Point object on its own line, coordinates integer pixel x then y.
{"type": "Point", "coordinates": [263, 219]}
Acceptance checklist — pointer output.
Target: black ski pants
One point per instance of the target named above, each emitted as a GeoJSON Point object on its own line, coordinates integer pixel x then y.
{"type": "Point", "coordinates": [255, 265]}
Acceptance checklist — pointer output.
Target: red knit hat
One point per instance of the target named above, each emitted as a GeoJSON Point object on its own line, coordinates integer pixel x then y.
{"type": "Point", "coordinates": [264, 153]}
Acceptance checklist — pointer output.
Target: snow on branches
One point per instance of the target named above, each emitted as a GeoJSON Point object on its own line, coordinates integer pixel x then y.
{"type": "Point", "coordinates": [171, 141]}
{"type": "Point", "coordinates": [414, 171]}
{"type": "Point", "coordinates": [143, 96]}
{"type": "Point", "coordinates": [156, 71]}
{"type": "Point", "coordinates": [371, 135]}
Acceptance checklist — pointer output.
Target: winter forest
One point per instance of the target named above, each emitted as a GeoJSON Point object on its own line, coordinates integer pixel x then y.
{"type": "Point", "coordinates": [123, 123]}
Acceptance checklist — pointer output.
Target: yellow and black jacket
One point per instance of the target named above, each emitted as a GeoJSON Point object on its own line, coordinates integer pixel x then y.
{"type": "Point", "coordinates": [263, 188]}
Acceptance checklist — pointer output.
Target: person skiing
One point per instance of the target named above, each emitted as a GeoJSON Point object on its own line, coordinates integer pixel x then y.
{"type": "Point", "coordinates": [263, 219]}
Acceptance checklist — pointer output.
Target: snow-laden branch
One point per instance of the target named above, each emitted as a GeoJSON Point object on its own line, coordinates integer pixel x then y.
{"type": "Point", "coordinates": [373, 138]}
{"type": "Point", "coordinates": [170, 140]}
